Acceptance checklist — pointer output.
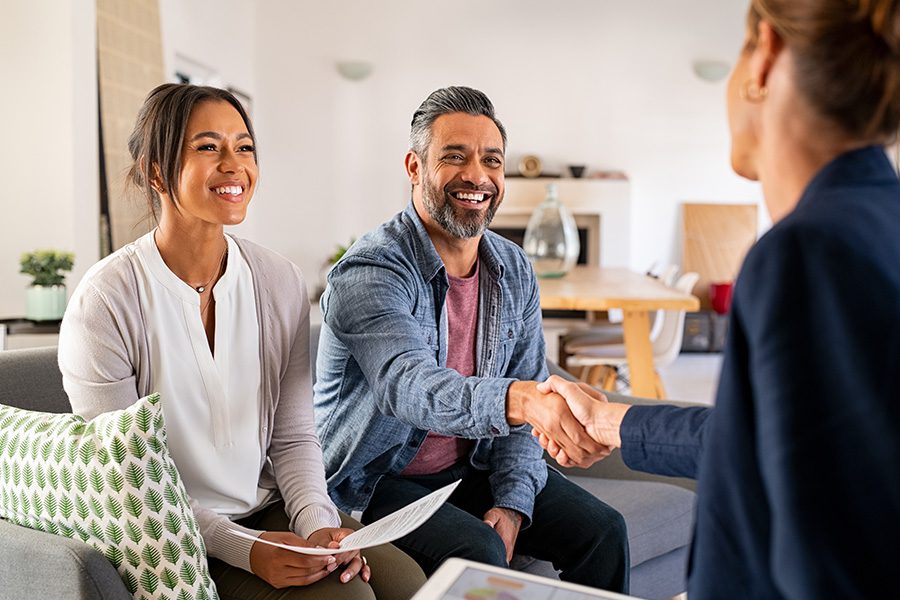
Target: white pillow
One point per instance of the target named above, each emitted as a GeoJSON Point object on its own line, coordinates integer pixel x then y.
{"type": "Point", "coordinates": [111, 483]}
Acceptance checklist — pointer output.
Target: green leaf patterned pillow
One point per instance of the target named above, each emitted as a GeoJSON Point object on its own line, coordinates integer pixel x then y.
{"type": "Point", "coordinates": [111, 483]}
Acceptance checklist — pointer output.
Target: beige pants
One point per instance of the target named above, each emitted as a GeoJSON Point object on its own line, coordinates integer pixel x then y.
{"type": "Point", "coordinates": [395, 576]}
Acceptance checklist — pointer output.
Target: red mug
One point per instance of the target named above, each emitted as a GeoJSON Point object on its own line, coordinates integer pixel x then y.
{"type": "Point", "coordinates": [720, 296]}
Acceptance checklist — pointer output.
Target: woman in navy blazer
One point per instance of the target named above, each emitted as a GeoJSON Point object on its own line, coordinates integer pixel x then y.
{"type": "Point", "coordinates": [799, 463]}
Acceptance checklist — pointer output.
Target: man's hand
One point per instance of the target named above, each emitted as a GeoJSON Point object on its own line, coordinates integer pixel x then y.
{"type": "Point", "coordinates": [330, 537]}
{"type": "Point", "coordinates": [506, 522]}
{"type": "Point", "coordinates": [282, 568]}
{"type": "Point", "coordinates": [600, 418]}
{"type": "Point", "coordinates": [548, 413]}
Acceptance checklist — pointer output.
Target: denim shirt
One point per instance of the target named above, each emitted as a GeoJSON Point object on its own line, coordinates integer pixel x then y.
{"type": "Point", "coordinates": [382, 382]}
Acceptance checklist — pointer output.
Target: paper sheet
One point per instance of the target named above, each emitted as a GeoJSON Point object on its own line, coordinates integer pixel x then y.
{"type": "Point", "coordinates": [384, 530]}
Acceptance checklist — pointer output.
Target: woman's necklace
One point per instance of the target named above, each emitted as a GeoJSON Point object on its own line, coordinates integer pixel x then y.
{"type": "Point", "coordinates": [202, 288]}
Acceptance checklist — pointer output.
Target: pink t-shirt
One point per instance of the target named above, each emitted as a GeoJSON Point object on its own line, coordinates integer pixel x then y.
{"type": "Point", "coordinates": [438, 451]}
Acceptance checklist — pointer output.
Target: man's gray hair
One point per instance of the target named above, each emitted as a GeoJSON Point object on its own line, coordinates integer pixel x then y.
{"type": "Point", "coordinates": [454, 99]}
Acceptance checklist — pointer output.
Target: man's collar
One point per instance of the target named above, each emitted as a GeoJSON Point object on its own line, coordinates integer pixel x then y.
{"type": "Point", "coordinates": [430, 263]}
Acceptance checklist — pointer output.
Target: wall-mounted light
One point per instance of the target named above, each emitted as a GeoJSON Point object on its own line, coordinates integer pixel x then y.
{"type": "Point", "coordinates": [354, 70]}
{"type": "Point", "coordinates": [711, 70]}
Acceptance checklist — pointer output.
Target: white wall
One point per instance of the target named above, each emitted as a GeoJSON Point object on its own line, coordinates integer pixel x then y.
{"type": "Point", "coordinates": [220, 34]}
{"type": "Point", "coordinates": [604, 83]}
{"type": "Point", "coordinates": [48, 160]}
{"type": "Point", "coordinates": [599, 82]}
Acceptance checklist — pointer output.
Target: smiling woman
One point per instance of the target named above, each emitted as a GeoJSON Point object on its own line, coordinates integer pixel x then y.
{"type": "Point", "coordinates": [219, 327]}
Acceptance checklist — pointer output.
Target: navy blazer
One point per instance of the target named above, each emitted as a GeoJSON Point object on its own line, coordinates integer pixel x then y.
{"type": "Point", "coordinates": [799, 474]}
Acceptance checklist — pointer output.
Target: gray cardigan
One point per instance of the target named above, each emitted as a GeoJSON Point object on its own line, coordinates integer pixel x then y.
{"type": "Point", "coordinates": [106, 365]}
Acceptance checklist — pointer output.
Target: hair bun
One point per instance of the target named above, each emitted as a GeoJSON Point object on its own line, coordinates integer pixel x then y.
{"type": "Point", "coordinates": [884, 18]}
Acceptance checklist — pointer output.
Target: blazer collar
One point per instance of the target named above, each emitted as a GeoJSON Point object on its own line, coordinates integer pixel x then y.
{"type": "Point", "coordinates": [867, 166]}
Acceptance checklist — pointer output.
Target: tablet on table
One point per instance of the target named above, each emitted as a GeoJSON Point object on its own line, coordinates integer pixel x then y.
{"type": "Point", "coordinates": [459, 579]}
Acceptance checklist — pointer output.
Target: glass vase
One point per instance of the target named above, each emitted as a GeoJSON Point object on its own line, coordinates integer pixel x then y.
{"type": "Point", "coordinates": [551, 238]}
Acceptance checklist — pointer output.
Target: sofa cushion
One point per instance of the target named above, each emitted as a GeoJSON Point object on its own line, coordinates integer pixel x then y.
{"type": "Point", "coordinates": [659, 516]}
{"type": "Point", "coordinates": [40, 565]}
{"type": "Point", "coordinates": [111, 483]}
{"type": "Point", "coordinates": [30, 379]}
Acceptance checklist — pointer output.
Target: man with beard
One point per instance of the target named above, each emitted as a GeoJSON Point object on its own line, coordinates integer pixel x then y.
{"type": "Point", "coordinates": [429, 354]}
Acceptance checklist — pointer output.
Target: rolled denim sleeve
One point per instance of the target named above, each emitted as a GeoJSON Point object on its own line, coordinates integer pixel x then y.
{"type": "Point", "coordinates": [370, 307]}
{"type": "Point", "coordinates": [518, 470]}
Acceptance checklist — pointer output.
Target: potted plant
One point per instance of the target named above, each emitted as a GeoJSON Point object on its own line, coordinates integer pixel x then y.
{"type": "Point", "coordinates": [45, 299]}
{"type": "Point", "coordinates": [327, 265]}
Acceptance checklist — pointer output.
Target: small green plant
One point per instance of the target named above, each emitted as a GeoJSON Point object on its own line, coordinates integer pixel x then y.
{"type": "Point", "coordinates": [47, 267]}
{"type": "Point", "coordinates": [339, 252]}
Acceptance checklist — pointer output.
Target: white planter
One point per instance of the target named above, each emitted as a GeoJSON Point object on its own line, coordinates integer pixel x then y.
{"type": "Point", "coordinates": [45, 303]}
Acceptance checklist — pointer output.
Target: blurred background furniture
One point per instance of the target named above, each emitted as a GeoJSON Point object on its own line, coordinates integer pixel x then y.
{"type": "Point", "coordinates": [606, 327]}
{"type": "Point", "coordinates": [715, 238]}
{"type": "Point", "coordinates": [598, 288]}
{"type": "Point", "coordinates": [600, 362]}
{"type": "Point", "coordinates": [22, 326]}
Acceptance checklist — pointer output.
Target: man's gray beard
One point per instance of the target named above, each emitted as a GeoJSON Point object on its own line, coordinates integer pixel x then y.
{"type": "Point", "coordinates": [445, 215]}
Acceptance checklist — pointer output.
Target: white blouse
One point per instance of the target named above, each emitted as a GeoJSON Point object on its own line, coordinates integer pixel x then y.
{"type": "Point", "coordinates": [211, 402]}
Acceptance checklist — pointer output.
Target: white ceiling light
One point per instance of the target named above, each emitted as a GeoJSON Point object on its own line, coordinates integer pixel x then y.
{"type": "Point", "coordinates": [354, 70]}
{"type": "Point", "coordinates": [711, 70]}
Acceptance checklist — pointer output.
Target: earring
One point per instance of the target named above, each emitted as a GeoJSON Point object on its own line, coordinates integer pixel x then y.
{"type": "Point", "coordinates": [753, 92]}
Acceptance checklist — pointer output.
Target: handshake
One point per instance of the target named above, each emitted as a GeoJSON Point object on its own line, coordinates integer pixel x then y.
{"type": "Point", "coordinates": [573, 422]}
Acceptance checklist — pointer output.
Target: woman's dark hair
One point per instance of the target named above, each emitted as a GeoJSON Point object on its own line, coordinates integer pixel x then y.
{"type": "Point", "coordinates": [155, 143]}
{"type": "Point", "coordinates": [847, 58]}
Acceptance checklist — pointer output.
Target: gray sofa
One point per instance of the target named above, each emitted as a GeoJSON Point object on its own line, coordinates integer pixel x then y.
{"type": "Point", "coordinates": [34, 564]}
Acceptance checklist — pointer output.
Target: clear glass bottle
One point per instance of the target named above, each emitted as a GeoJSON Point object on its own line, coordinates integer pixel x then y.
{"type": "Point", "coordinates": [551, 238]}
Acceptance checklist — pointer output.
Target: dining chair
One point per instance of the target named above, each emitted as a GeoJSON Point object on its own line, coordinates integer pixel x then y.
{"type": "Point", "coordinates": [601, 363]}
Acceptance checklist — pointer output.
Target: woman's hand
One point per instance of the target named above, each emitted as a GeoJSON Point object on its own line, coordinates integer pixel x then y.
{"type": "Point", "coordinates": [330, 537]}
{"type": "Point", "coordinates": [283, 568]}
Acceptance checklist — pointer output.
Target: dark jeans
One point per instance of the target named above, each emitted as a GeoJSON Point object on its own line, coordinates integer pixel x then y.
{"type": "Point", "coordinates": [584, 538]}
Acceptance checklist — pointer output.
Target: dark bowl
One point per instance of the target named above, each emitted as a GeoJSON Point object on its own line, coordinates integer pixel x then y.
{"type": "Point", "coordinates": [576, 170]}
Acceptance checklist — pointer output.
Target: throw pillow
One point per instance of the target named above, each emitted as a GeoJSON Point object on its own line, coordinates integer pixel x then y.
{"type": "Point", "coordinates": [111, 483]}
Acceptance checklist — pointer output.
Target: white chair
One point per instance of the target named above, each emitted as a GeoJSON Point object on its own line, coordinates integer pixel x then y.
{"type": "Point", "coordinates": [601, 363]}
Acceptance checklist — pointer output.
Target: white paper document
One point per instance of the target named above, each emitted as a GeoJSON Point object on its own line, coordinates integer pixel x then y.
{"type": "Point", "coordinates": [384, 530]}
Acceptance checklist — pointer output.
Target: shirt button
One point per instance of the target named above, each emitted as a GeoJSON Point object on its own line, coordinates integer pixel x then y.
{"type": "Point", "coordinates": [495, 431]}
{"type": "Point", "coordinates": [509, 334]}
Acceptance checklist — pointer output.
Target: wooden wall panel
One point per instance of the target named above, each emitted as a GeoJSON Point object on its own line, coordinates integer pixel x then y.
{"type": "Point", "coordinates": [129, 65]}
{"type": "Point", "coordinates": [716, 238]}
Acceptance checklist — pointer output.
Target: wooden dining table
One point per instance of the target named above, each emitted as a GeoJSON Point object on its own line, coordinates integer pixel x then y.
{"type": "Point", "coordinates": [592, 288]}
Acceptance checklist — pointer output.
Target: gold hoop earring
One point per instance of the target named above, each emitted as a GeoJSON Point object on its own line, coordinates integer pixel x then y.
{"type": "Point", "coordinates": [752, 92]}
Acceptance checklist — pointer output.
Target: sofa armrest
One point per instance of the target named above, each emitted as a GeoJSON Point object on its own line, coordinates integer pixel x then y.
{"type": "Point", "coordinates": [41, 565]}
{"type": "Point", "coordinates": [612, 467]}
